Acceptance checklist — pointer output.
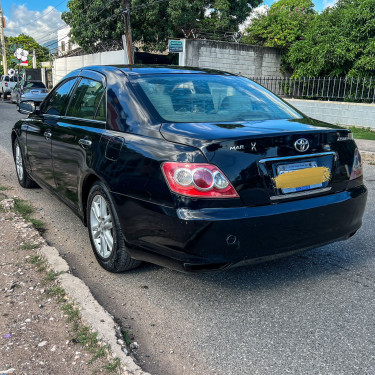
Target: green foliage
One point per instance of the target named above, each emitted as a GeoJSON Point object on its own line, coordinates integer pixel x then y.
{"type": "Point", "coordinates": [284, 24]}
{"type": "Point", "coordinates": [153, 22]}
{"type": "Point", "coordinates": [28, 43]}
{"type": "Point", "coordinates": [338, 42]}
{"type": "Point", "coordinates": [363, 133]}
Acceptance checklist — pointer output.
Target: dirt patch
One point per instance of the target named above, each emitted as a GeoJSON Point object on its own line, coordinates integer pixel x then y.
{"type": "Point", "coordinates": [35, 337]}
{"type": "Point", "coordinates": [368, 157]}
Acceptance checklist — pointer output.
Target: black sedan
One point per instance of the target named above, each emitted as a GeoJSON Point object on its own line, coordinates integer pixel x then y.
{"type": "Point", "coordinates": [191, 169]}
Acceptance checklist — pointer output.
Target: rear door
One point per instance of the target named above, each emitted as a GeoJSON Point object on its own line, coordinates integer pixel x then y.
{"type": "Point", "coordinates": [40, 131]}
{"type": "Point", "coordinates": [77, 135]}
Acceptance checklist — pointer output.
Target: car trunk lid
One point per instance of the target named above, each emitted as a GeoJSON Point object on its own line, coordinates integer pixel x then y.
{"type": "Point", "coordinates": [254, 155]}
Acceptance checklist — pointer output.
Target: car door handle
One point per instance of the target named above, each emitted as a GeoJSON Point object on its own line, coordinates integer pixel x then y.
{"type": "Point", "coordinates": [47, 135]}
{"type": "Point", "coordinates": [85, 142]}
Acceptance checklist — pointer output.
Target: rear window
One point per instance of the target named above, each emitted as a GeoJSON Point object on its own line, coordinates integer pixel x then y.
{"type": "Point", "coordinates": [39, 85]}
{"type": "Point", "coordinates": [211, 98]}
{"type": "Point", "coordinates": [10, 79]}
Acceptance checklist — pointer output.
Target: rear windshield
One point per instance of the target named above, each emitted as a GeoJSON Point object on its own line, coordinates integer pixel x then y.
{"type": "Point", "coordinates": [10, 79]}
{"type": "Point", "coordinates": [210, 98]}
{"type": "Point", "coordinates": [29, 84]}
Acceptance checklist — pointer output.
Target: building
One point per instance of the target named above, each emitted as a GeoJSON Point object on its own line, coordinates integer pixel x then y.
{"type": "Point", "coordinates": [64, 44]}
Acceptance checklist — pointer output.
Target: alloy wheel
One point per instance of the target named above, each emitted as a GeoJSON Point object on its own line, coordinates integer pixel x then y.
{"type": "Point", "coordinates": [101, 226]}
{"type": "Point", "coordinates": [19, 162]}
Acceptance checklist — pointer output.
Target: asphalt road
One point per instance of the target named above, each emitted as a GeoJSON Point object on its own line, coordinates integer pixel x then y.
{"type": "Point", "coordinates": [307, 314]}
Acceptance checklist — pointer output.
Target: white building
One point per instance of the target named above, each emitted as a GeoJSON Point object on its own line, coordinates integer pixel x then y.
{"type": "Point", "coordinates": [64, 43]}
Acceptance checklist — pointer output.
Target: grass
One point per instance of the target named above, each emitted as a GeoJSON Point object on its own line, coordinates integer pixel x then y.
{"type": "Point", "coordinates": [126, 337]}
{"type": "Point", "coordinates": [3, 188]}
{"type": "Point", "coordinates": [363, 133]}
{"type": "Point", "coordinates": [38, 262]}
{"type": "Point", "coordinates": [112, 366]}
{"type": "Point", "coordinates": [26, 210]}
{"type": "Point", "coordinates": [56, 291]}
{"type": "Point", "coordinates": [79, 333]}
{"type": "Point", "coordinates": [51, 275]}
{"type": "Point", "coordinates": [29, 246]}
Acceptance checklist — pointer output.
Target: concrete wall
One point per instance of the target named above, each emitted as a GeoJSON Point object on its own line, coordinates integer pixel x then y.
{"type": "Point", "coordinates": [250, 61]}
{"type": "Point", "coordinates": [357, 114]}
{"type": "Point", "coordinates": [65, 65]}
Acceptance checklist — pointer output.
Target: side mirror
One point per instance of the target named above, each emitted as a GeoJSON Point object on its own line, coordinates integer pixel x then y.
{"type": "Point", "coordinates": [27, 107]}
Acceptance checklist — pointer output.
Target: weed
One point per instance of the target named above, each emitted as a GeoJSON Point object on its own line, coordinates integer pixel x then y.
{"type": "Point", "coordinates": [99, 353]}
{"type": "Point", "coordinates": [39, 262]}
{"type": "Point", "coordinates": [126, 336]}
{"type": "Point", "coordinates": [23, 208]}
{"type": "Point", "coordinates": [3, 188]}
{"type": "Point", "coordinates": [28, 246]}
{"type": "Point", "coordinates": [51, 275]}
{"type": "Point", "coordinates": [112, 366]}
{"type": "Point", "coordinates": [71, 311]}
{"type": "Point", "coordinates": [26, 210]}
{"type": "Point", "coordinates": [56, 291]}
{"type": "Point", "coordinates": [82, 334]}
{"type": "Point", "coordinates": [39, 225]}
{"type": "Point", "coordinates": [79, 333]}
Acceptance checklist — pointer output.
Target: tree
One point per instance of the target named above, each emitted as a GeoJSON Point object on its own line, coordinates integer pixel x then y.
{"type": "Point", "coordinates": [282, 25]}
{"type": "Point", "coordinates": [28, 43]}
{"type": "Point", "coordinates": [339, 42]}
{"type": "Point", "coordinates": [153, 22]}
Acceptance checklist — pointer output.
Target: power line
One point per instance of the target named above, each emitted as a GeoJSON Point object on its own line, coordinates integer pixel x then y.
{"type": "Point", "coordinates": [37, 18]}
{"type": "Point", "coordinates": [146, 5]}
{"type": "Point", "coordinates": [114, 16]}
{"type": "Point", "coordinates": [83, 10]}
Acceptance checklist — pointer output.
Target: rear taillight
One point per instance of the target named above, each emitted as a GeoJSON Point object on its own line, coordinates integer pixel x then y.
{"type": "Point", "coordinates": [198, 180]}
{"type": "Point", "coordinates": [6, 84]}
{"type": "Point", "coordinates": [357, 169]}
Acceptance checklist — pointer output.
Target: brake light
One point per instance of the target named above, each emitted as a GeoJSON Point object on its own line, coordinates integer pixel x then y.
{"type": "Point", "coordinates": [6, 84]}
{"type": "Point", "coordinates": [198, 180]}
{"type": "Point", "coordinates": [357, 169]}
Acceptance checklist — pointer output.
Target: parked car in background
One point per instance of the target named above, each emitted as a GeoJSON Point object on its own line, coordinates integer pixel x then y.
{"type": "Point", "coordinates": [188, 168]}
{"type": "Point", "coordinates": [6, 85]}
{"type": "Point", "coordinates": [35, 91]}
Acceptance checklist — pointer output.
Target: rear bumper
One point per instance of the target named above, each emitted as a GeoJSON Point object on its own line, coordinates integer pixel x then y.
{"type": "Point", "coordinates": [217, 238]}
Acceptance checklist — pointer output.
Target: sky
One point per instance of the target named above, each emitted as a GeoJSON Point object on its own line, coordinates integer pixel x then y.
{"type": "Point", "coordinates": [41, 19]}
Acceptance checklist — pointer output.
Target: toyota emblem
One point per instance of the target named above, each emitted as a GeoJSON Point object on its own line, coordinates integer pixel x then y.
{"type": "Point", "coordinates": [302, 145]}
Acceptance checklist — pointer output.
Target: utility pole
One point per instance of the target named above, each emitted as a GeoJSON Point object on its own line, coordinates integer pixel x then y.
{"type": "Point", "coordinates": [128, 31]}
{"type": "Point", "coordinates": [2, 41]}
{"type": "Point", "coordinates": [34, 59]}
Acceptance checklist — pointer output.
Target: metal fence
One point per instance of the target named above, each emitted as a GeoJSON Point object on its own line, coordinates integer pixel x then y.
{"type": "Point", "coordinates": [325, 88]}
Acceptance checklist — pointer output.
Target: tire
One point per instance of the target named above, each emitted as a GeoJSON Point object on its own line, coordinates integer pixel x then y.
{"type": "Point", "coordinates": [5, 95]}
{"type": "Point", "coordinates": [104, 230]}
{"type": "Point", "coordinates": [24, 178]}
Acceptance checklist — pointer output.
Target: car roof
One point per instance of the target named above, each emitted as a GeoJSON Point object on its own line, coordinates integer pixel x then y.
{"type": "Point", "coordinates": [140, 70]}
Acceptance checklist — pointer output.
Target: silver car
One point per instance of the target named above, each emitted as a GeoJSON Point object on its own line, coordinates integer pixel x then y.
{"type": "Point", "coordinates": [34, 91]}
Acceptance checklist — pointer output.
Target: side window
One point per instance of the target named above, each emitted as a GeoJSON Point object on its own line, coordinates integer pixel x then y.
{"type": "Point", "coordinates": [101, 114]}
{"type": "Point", "coordinates": [86, 99]}
{"type": "Point", "coordinates": [58, 100]}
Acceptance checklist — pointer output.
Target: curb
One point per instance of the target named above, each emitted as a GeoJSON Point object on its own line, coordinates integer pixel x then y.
{"type": "Point", "coordinates": [91, 311]}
